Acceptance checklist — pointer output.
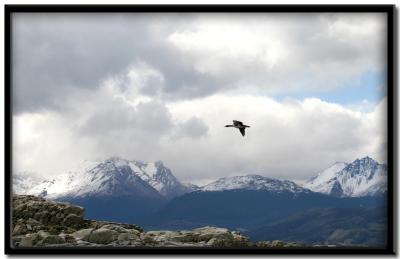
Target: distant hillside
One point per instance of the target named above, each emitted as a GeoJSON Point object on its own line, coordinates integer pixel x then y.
{"type": "Point", "coordinates": [329, 226]}
{"type": "Point", "coordinates": [248, 208]}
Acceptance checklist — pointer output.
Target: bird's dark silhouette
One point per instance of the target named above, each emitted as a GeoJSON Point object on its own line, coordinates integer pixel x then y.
{"type": "Point", "coordinates": [239, 125]}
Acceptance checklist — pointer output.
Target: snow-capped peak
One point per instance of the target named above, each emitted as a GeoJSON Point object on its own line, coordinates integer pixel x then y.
{"type": "Point", "coordinates": [362, 177]}
{"type": "Point", "coordinates": [113, 176]}
{"type": "Point", "coordinates": [253, 182]}
{"type": "Point", "coordinates": [319, 183]}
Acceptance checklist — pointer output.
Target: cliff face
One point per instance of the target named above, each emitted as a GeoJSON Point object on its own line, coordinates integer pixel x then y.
{"type": "Point", "coordinates": [38, 222]}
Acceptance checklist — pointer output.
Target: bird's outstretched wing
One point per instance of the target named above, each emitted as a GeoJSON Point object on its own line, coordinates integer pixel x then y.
{"type": "Point", "coordinates": [237, 123]}
{"type": "Point", "coordinates": [242, 131]}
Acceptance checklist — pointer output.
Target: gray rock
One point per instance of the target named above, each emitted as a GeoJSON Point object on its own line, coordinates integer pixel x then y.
{"type": "Point", "coordinates": [68, 238]}
{"type": "Point", "coordinates": [26, 241]}
{"type": "Point", "coordinates": [133, 231]}
{"type": "Point", "coordinates": [43, 234]}
{"type": "Point", "coordinates": [44, 211]}
{"type": "Point", "coordinates": [148, 238]}
{"type": "Point", "coordinates": [103, 236]}
{"type": "Point", "coordinates": [42, 216]}
{"type": "Point", "coordinates": [36, 238]}
{"type": "Point", "coordinates": [20, 229]}
{"type": "Point", "coordinates": [73, 209]}
{"type": "Point", "coordinates": [127, 237]}
{"type": "Point", "coordinates": [99, 224]}
{"type": "Point", "coordinates": [33, 222]}
{"type": "Point", "coordinates": [83, 234]}
{"type": "Point", "coordinates": [115, 227]}
{"type": "Point", "coordinates": [73, 220]}
{"type": "Point", "coordinates": [186, 237]}
{"type": "Point", "coordinates": [207, 233]}
{"type": "Point", "coordinates": [53, 239]}
{"type": "Point", "coordinates": [214, 242]}
{"type": "Point", "coordinates": [123, 243]}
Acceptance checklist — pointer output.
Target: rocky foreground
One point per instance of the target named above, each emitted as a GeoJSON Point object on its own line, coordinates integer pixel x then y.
{"type": "Point", "coordinates": [38, 222]}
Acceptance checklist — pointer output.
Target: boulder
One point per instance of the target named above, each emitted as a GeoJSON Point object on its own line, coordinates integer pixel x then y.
{"type": "Point", "coordinates": [207, 233]}
{"type": "Point", "coordinates": [42, 216]}
{"type": "Point", "coordinates": [231, 242]}
{"type": "Point", "coordinates": [68, 238]}
{"type": "Point", "coordinates": [20, 229]}
{"type": "Point", "coordinates": [73, 220]}
{"type": "Point", "coordinates": [115, 227]}
{"type": "Point", "coordinates": [103, 236]}
{"type": "Point", "coordinates": [99, 224]}
{"type": "Point", "coordinates": [83, 234]}
{"type": "Point", "coordinates": [26, 241]}
{"type": "Point", "coordinates": [73, 209]}
{"type": "Point", "coordinates": [43, 234]}
{"type": "Point", "coordinates": [185, 237]}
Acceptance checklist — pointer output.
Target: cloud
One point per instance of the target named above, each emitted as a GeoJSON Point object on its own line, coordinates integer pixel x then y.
{"type": "Point", "coordinates": [192, 128]}
{"type": "Point", "coordinates": [288, 139]}
{"type": "Point", "coordinates": [284, 53]}
{"type": "Point", "coordinates": [162, 86]}
{"type": "Point", "coordinates": [190, 56]}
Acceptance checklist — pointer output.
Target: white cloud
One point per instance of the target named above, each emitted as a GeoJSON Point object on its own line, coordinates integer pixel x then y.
{"type": "Point", "coordinates": [283, 53]}
{"type": "Point", "coordinates": [289, 139]}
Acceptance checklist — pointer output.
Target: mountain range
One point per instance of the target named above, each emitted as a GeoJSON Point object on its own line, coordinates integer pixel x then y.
{"type": "Point", "coordinates": [111, 177]}
{"type": "Point", "coordinates": [148, 193]}
{"type": "Point", "coordinates": [121, 177]}
{"type": "Point", "coordinates": [113, 189]}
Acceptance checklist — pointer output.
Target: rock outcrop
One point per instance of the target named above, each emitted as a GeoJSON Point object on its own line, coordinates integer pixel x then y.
{"type": "Point", "coordinates": [38, 222]}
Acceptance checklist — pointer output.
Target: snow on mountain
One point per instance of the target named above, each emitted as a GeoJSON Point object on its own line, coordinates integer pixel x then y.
{"type": "Point", "coordinates": [253, 182]}
{"type": "Point", "coordinates": [114, 176]}
{"type": "Point", "coordinates": [363, 177]}
{"type": "Point", "coordinates": [323, 181]}
{"type": "Point", "coordinates": [160, 178]}
{"type": "Point", "coordinates": [192, 187]}
{"type": "Point", "coordinates": [26, 181]}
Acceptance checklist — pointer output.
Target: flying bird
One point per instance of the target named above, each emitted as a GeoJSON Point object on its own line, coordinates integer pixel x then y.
{"type": "Point", "coordinates": [239, 125]}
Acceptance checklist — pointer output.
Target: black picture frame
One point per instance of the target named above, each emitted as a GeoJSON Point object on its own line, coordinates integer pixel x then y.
{"type": "Point", "coordinates": [391, 126]}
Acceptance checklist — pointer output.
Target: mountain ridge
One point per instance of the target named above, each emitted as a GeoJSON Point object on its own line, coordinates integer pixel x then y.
{"type": "Point", "coordinates": [362, 177]}
{"type": "Point", "coordinates": [253, 182]}
{"type": "Point", "coordinates": [103, 178]}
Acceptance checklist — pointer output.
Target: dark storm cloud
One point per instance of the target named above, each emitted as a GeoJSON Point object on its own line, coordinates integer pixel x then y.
{"type": "Point", "coordinates": [54, 54]}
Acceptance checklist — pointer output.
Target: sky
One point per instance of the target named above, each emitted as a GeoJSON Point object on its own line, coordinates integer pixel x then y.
{"type": "Point", "coordinates": [153, 87]}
